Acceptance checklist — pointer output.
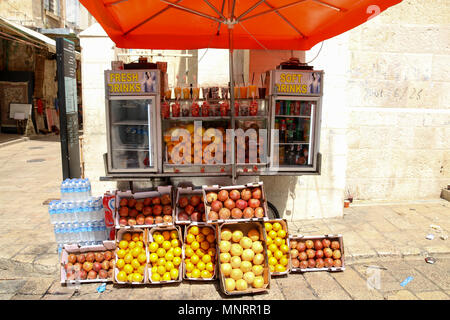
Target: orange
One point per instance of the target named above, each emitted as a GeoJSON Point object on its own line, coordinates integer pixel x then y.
{"type": "Point", "coordinates": [206, 231]}
{"type": "Point", "coordinates": [166, 276]}
{"type": "Point", "coordinates": [194, 230]}
{"type": "Point", "coordinates": [278, 254]}
{"type": "Point", "coordinates": [276, 226]}
{"type": "Point", "coordinates": [284, 248]}
{"type": "Point", "coordinates": [284, 261]}
{"type": "Point", "coordinates": [141, 269]}
{"type": "Point", "coordinates": [280, 268]}
{"type": "Point", "coordinates": [205, 245]}
{"type": "Point", "coordinates": [200, 252]}
{"type": "Point", "coordinates": [137, 277]}
{"type": "Point", "coordinates": [281, 233]}
{"type": "Point", "coordinates": [166, 235]}
{"type": "Point", "coordinates": [272, 234]}
{"type": "Point", "coordinates": [211, 252]}
{"type": "Point", "coordinates": [174, 234]}
{"type": "Point", "coordinates": [268, 226]}
{"type": "Point", "coordinates": [139, 244]}
{"type": "Point", "coordinates": [161, 262]}
{"type": "Point", "coordinates": [130, 277]}
{"type": "Point", "coordinates": [127, 237]}
{"type": "Point", "coordinates": [210, 238]}
{"type": "Point", "coordinates": [278, 241]}
{"type": "Point", "coordinates": [135, 236]}
{"type": "Point", "coordinates": [200, 237]}
{"type": "Point", "coordinates": [161, 270]}
{"type": "Point", "coordinates": [272, 261]}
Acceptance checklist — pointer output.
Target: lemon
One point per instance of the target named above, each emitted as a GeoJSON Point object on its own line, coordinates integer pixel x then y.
{"type": "Point", "coordinates": [136, 236]}
{"type": "Point", "coordinates": [189, 252]}
{"type": "Point", "coordinates": [189, 267]}
{"type": "Point", "coordinates": [177, 251]}
{"type": "Point", "coordinates": [284, 261]}
{"type": "Point", "coordinates": [128, 258]}
{"type": "Point", "coordinates": [161, 270]}
{"type": "Point", "coordinates": [135, 252]}
{"type": "Point", "coordinates": [161, 262]}
{"type": "Point", "coordinates": [166, 245]}
{"type": "Point", "coordinates": [159, 239]}
{"type": "Point", "coordinates": [128, 268]}
{"type": "Point", "coordinates": [135, 263]}
{"type": "Point", "coordinates": [174, 234]}
{"type": "Point", "coordinates": [281, 233]}
{"type": "Point", "coordinates": [195, 245]}
{"type": "Point", "coordinates": [206, 258]}
{"type": "Point", "coordinates": [166, 276]}
{"type": "Point", "coordinates": [130, 277]}
{"type": "Point", "coordinates": [123, 244]}
{"type": "Point", "coordinates": [169, 256]}
{"type": "Point", "coordinates": [137, 277]}
{"type": "Point", "coordinates": [205, 274]}
{"type": "Point", "coordinates": [176, 261]}
{"type": "Point", "coordinates": [284, 248]}
{"type": "Point", "coordinates": [141, 269]}
{"type": "Point", "coordinates": [272, 261]}
{"type": "Point", "coordinates": [174, 274]}
{"type": "Point", "coordinates": [209, 267]}
{"type": "Point", "coordinates": [142, 258]}
{"type": "Point", "coordinates": [195, 259]}
{"type": "Point", "coordinates": [276, 226]}
{"type": "Point", "coordinates": [201, 265]}
{"type": "Point", "coordinates": [272, 234]}
{"type": "Point", "coordinates": [268, 226]}
{"type": "Point", "coordinates": [195, 273]}
{"type": "Point", "coordinates": [153, 257]}
{"type": "Point", "coordinates": [121, 253]}
{"type": "Point", "coordinates": [278, 241]}
{"type": "Point", "coordinates": [273, 247]}
{"type": "Point", "coordinates": [174, 243]}
{"type": "Point", "coordinates": [156, 277]}
{"type": "Point", "coordinates": [131, 244]}
{"type": "Point", "coordinates": [122, 276]}
{"type": "Point", "coordinates": [194, 230]}
{"type": "Point", "coordinates": [190, 238]}
{"type": "Point", "coordinates": [153, 247]}
{"type": "Point", "coordinates": [278, 254]}
{"type": "Point", "coordinates": [169, 265]}
{"type": "Point", "coordinates": [120, 263]}
{"type": "Point", "coordinates": [161, 252]}
{"type": "Point", "coordinates": [280, 268]}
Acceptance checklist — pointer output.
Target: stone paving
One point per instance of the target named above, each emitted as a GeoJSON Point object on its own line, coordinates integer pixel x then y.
{"type": "Point", "coordinates": [391, 236]}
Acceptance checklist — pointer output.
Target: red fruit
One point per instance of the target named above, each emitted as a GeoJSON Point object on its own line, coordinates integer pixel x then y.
{"type": "Point", "coordinates": [229, 204]}
{"type": "Point", "coordinates": [336, 254]}
{"type": "Point", "coordinates": [310, 253]}
{"type": "Point", "coordinates": [92, 275]}
{"type": "Point", "coordinates": [99, 256]}
{"type": "Point", "coordinates": [303, 264]}
{"type": "Point", "coordinates": [167, 218]}
{"type": "Point", "coordinates": [327, 252]}
{"type": "Point", "coordinates": [123, 202]}
{"type": "Point", "coordinates": [328, 262]}
{"type": "Point", "coordinates": [301, 246]}
{"type": "Point", "coordinates": [165, 199]}
{"type": "Point", "coordinates": [195, 200]}
{"type": "Point", "coordinates": [90, 257]}
{"type": "Point", "coordinates": [311, 263]}
{"type": "Point", "coordinates": [320, 263]}
{"type": "Point", "coordinates": [70, 275]}
{"type": "Point", "coordinates": [123, 221]}
{"type": "Point", "coordinates": [326, 243]}
{"type": "Point", "coordinates": [108, 255]}
{"type": "Point", "coordinates": [295, 263]}
{"type": "Point", "coordinates": [216, 205]}
{"type": "Point", "coordinates": [103, 274]}
{"type": "Point", "coordinates": [167, 210]}
{"type": "Point", "coordinates": [72, 258]}
{"type": "Point", "coordinates": [110, 273]}
{"type": "Point", "coordinates": [212, 215]}
{"type": "Point", "coordinates": [223, 195]}
{"type": "Point", "coordinates": [183, 216]}
{"type": "Point", "coordinates": [224, 213]}
{"type": "Point", "coordinates": [337, 263]}
{"type": "Point", "coordinates": [254, 203]}
{"type": "Point", "coordinates": [211, 196]}
{"type": "Point", "coordinates": [318, 245]}
{"type": "Point", "coordinates": [87, 266]}
{"type": "Point", "coordinates": [97, 266]}
{"type": "Point", "coordinates": [123, 211]}
{"type": "Point", "coordinates": [294, 253]}
{"type": "Point", "coordinates": [241, 204]}
{"type": "Point", "coordinates": [81, 258]}
{"type": "Point", "coordinates": [201, 207]}
{"type": "Point", "coordinates": [82, 275]}
{"type": "Point", "coordinates": [132, 222]}
{"type": "Point", "coordinates": [133, 213]}
{"type": "Point", "coordinates": [189, 209]}
{"type": "Point", "coordinates": [157, 209]}
{"type": "Point", "coordinates": [147, 211]}
{"type": "Point", "coordinates": [140, 219]}
{"type": "Point", "coordinates": [77, 267]}
{"type": "Point", "coordinates": [139, 205]}
{"type": "Point", "coordinates": [335, 245]}
{"type": "Point", "coordinates": [236, 213]}
{"type": "Point", "coordinates": [309, 244]}
{"type": "Point", "coordinates": [248, 213]}
{"type": "Point", "coordinates": [156, 200]}
{"type": "Point", "coordinates": [183, 202]}
{"type": "Point", "coordinates": [159, 219]}
{"type": "Point", "coordinates": [131, 203]}
{"type": "Point", "coordinates": [203, 217]}
{"type": "Point", "coordinates": [319, 254]}
{"type": "Point", "coordinates": [259, 212]}
{"type": "Point", "coordinates": [196, 216]}
{"type": "Point", "coordinates": [246, 194]}
{"type": "Point", "coordinates": [147, 202]}
{"type": "Point", "coordinates": [68, 266]}
{"type": "Point", "coordinates": [256, 193]}
{"type": "Point", "coordinates": [302, 256]}
{"type": "Point", "coordinates": [148, 220]}
{"type": "Point", "coordinates": [235, 195]}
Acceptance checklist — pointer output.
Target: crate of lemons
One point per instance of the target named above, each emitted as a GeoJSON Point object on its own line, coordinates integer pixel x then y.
{"type": "Point", "coordinates": [200, 253]}
{"type": "Point", "coordinates": [165, 255]}
{"type": "Point", "coordinates": [243, 264]}
{"type": "Point", "coordinates": [278, 250]}
{"type": "Point", "coordinates": [131, 258]}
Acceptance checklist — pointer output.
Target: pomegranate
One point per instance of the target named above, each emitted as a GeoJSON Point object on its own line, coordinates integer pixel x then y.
{"type": "Point", "coordinates": [309, 244]}
{"type": "Point", "coordinates": [241, 204]}
{"type": "Point", "coordinates": [246, 194]}
{"type": "Point", "coordinates": [201, 207]}
{"type": "Point", "coordinates": [256, 193]}
{"type": "Point", "coordinates": [157, 210]}
{"type": "Point", "coordinates": [328, 262]}
{"type": "Point", "coordinates": [229, 204]}
{"type": "Point", "coordinates": [108, 255]}
{"type": "Point", "coordinates": [301, 246]}
{"type": "Point", "coordinates": [103, 274]}
{"type": "Point", "coordinates": [319, 254]}
{"type": "Point", "coordinates": [123, 221]}
{"type": "Point", "coordinates": [156, 200]}
{"type": "Point", "coordinates": [133, 213]}
{"type": "Point", "coordinates": [212, 215]}
{"type": "Point", "coordinates": [99, 256]}
{"type": "Point", "coordinates": [254, 203]}
{"type": "Point", "coordinates": [293, 244]}
{"type": "Point", "coordinates": [195, 200]}
{"type": "Point", "coordinates": [335, 245]}
{"type": "Point", "coordinates": [131, 203]}
{"type": "Point", "coordinates": [139, 206]}
{"type": "Point", "coordinates": [235, 195]}
{"type": "Point", "coordinates": [189, 209]}
{"type": "Point", "coordinates": [90, 257]}
{"type": "Point", "coordinates": [211, 196]}
{"type": "Point", "coordinates": [336, 254]}
{"type": "Point", "coordinates": [337, 263]}
{"type": "Point", "coordinates": [148, 220]}
{"type": "Point", "coordinates": [318, 245]}
{"type": "Point", "coordinates": [167, 218]}
{"type": "Point", "coordinates": [147, 211]}
{"type": "Point", "coordinates": [82, 275]}
{"type": "Point", "coordinates": [132, 222]}
{"type": "Point", "coordinates": [216, 205]}
{"type": "Point", "coordinates": [327, 252]}
{"type": "Point", "coordinates": [167, 209]}
{"type": "Point", "coordinates": [294, 253]}
{"type": "Point", "coordinates": [183, 202]}
{"type": "Point", "coordinates": [97, 266]}
{"type": "Point", "coordinates": [224, 213]}
{"type": "Point", "coordinates": [92, 275]}
{"type": "Point", "coordinates": [147, 202]}
{"type": "Point", "coordinates": [326, 243]}
{"type": "Point", "coordinates": [140, 219]}
{"type": "Point", "coordinates": [72, 258]}
{"type": "Point", "coordinates": [123, 212]}
{"type": "Point", "coordinates": [259, 212]}
{"type": "Point", "coordinates": [223, 195]}
{"type": "Point", "coordinates": [81, 258]}
{"type": "Point", "coordinates": [183, 216]}
{"type": "Point", "coordinates": [295, 263]}
{"type": "Point", "coordinates": [248, 213]}
{"type": "Point", "coordinates": [236, 213]}
{"type": "Point", "coordinates": [87, 266]}
{"type": "Point", "coordinates": [158, 219]}
{"type": "Point", "coordinates": [123, 202]}
{"type": "Point", "coordinates": [165, 199]}
{"type": "Point", "coordinates": [310, 253]}
{"type": "Point", "coordinates": [311, 263]}
{"type": "Point", "coordinates": [320, 263]}
{"type": "Point", "coordinates": [303, 264]}
{"type": "Point", "coordinates": [196, 216]}
{"type": "Point", "coordinates": [302, 256]}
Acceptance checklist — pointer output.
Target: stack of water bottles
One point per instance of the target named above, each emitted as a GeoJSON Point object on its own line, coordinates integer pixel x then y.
{"type": "Point", "coordinates": [78, 218]}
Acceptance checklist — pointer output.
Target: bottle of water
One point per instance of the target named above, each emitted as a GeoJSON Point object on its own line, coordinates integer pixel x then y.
{"type": "Point", "coordinates": [77, 190]}
{"type": "Point", "coordinates": [64, 190]}
{"type": "Point", "coordinates": [51, 211]}
{"type": "Point", "coordinates": [90, 233]}
{"type": "Point", "coordinates": [62, 233]}
{"type": "Point", "coordinates": [91, 204]}
{"type": "Point", "coordinates": [83, 233]}
{"type": "Point", "coordinates": [57, 231]}
{"type": "Point", "coordinates": [99, 209]}
{"type": "Point", "coordinates": [88, 190]}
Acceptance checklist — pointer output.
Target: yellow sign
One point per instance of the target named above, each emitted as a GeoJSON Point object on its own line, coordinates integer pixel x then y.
{"type": "Point", "coordinates": [131, 82]}
{"type": "Point", "coordinates": [297, 82]}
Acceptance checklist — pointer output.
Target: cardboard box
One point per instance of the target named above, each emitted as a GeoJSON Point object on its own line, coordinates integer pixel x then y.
{"type": "Point", "coordinates": [331, 237]}
{"type": "Point", "coordinates": [180, 268]}
{"type": "Point", "coordinates": [216, 257]}
{"type": "Point", "coordinates": [217, 189]}
{"type": "Point", "coordinates": [245, 227]}
{"type": "Point", "coordinates": [119, 237]}
{"type": "Point", "coordinates": [161, 190]}
{"type": "Point", "coordinates": [186, 192]}
{"type": "Point", "coordinates": [284, 225]}
{"type": "Point", "coordinates": [75, 249]}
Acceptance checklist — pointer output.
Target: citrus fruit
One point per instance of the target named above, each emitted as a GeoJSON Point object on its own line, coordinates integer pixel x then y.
{"type": "Point", "coordinates": [174, 274]}
{"type": "Point", "coordinates": [253, 235]}
{"type": "Point", "coordinates": [127, 237]}
{"type": "Point", "coordinates": [273, 247]}
{"type": "Point", "coordinates": [258, 282]}
{"type": "Point", "coordinates": [139, 244]}
{"type": "Point", "coordinates": [161, 270]}
{"type": "Point", "coordinates": [135, 263]}
{"type": "Point", "coordinates": [123, 244]}
{"type": "Point", "coordinates": [210, 238]}
{"type": "Point", "coordinates": [284, 248]}
{"type": "Point", "coordinates": [272, 234]}
{"type": "Point", "coordinates": [190, 238]}
{"type": "Point", "coordinates": [268, 226]}
{"type": "Point", "coordinates": [200, 252]}
{"type": "Point", "coordinates": [195, 245]}
{"type": "Point", "coordinates": [159, 239]}
{"type": "Point", "coordinates": [284, 261]}
{"type": "Point", "coordinates": [201, 265]}
{"type": "Point", "coordinates": [200, 237]}
{"type": "Point", "coordinates": [166, 235]}
{"type": "Point", "coordinates": [136, 252]}
{"type": "Point", "coordinates": [169, 265]}
{"type": "Point", "coordinates": [166, 245]}
{"type": "Point", "coordinates": [166, 276]}
{"type": "Point", "coordinates": [169, 256]}
{"type": "Point", "coordinates": [257, 270]}
{"type": "Point", "coordinates": [137, 277]}
{"type": "Point", "coordinates": [141, 269]}
{"type": "Point", "coordinates": [281, 233]}
{"type": "Point", "coordinates": [173, 234]}
{"type": "Point", "coordinates": [226, 269]}
{"type": "Point", "coordinates": [128, 268]}
{"type": "Point", "coordinates": [278, 254]}
{"type": "Point", "coordinates": [276, 226]}
{"type": "Point", "coordinates": [128, 258]}
{"type": "Point", "coordinates": [194, 230]}
{"type": "Point", "coordinates": [205, 274]}
{"type": "Point", "coordinates": [206, 258]}
{"type": "Point", "coordinates": [161, 252]}
{"type": "Point", "coordinates": [135, 236]}
{"type": "Point", "coordinates": [142, 258]}
{"type": "Point", "coordinates": [278, 241]}
{"type": "Point", "coordinates": [120, 263]}
{"type": "Point", "coordinates": [122, 276]}
{"type": "Point", "coordinates": [131, 244]}
{"type": "Point", "coordinates": [189, 252]}
{"type": "Point", "coordinates": [130, 277]}
{"type": "Point", "coordinates": [156, 277]}
{"type": "Point", "coordinates": [153, 247]}
{"type": "Point", "coordinates": [272, 261]}
{"type": "Point", "coordinates": [280, 268]}
{"type": "Point", "coordinates": [195, 273]}
{"type": "Point", "coordinates": [195, 259]}
{"type": "Point", "coordinates": [210, 267]}
{"type": "Point", "coordinates": [121, 253]}
{"type": "Point", "coordinates": [206, 231]}
{"type": "Point", "coordinates": [177, 251]}
{"type": "Point", "coordinates": [176, 261]}
{"type": "Point", "coordinates": [189, 267]}
{"type": "Point", "coordinates": [174, 243]}
{"type": "Point", "coordinates": [230, 284]}
{"type": "Point", "coordinates": [161, 262]}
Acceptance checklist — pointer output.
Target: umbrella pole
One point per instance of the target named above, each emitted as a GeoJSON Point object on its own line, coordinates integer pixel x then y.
{"type": "Point", "coordinates": [232, 97]}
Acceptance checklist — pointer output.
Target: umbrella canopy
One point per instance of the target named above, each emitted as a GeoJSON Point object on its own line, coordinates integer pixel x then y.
{"type": "Point", "coordinates": [256, 24]}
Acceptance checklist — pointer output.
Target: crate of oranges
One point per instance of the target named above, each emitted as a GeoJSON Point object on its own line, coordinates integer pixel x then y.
{"type": "Point", "coordinates": [131, 257]}
{"type": "Point", "coordinates": [200, 251]}
{"type": "Point", "coordinates": [165, 255]}
{"type": "Point", "coordinates": [243, 261]}
{"type": "Point", "coordinates": [278, 251]}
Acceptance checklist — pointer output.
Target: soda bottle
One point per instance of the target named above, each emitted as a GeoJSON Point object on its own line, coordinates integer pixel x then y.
{"type": "Point", "coordinates": [288, 108]}
{"type": "Point", "coordinates": [283, 131]}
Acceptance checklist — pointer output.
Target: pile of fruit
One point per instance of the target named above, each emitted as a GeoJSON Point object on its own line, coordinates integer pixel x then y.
{"type": "Point", "coordinates": [315, 254]}
{"type": "Point", "coordinates": [165, 256]}
{"type": "Point", "coordinates": [235, 204]}
{"type": "Point", "coordinates": [241, 259]}
{"type": "Point", "coordinates": [200, 251]}
{"type": "Point", "coordinates": [91, 265]}
{"type": "Point", "coordinates": [277, 248]}
{"type": "Point", "coordinates": [145, 211]}
{"type": "Point", "coordinates": [202, 152]}
{"type": "Point", "coordinates": [131, 257]}
{"type": "Point", "coordinates": [191, 209]}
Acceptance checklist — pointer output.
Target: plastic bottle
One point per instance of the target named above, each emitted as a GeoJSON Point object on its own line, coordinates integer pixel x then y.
{"type": "Point", "coordinates": [77, 190]}
{"type": "Point", "coordinates": [83, 233]}
{"type": "Point", "coordinates": [51, 211]}
{"type": "Point", "coordinates": [57, 231]}
{"type": "Point", "coordinates": [99, 209]}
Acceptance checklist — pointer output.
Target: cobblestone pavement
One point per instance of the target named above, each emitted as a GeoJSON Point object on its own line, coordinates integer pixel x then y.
{"type": "Point", "coordinates": [388, 235]}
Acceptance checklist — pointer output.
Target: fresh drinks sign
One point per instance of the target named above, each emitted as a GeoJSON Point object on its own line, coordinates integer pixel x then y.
{"type": "Point", "coordinates": [298, 83]}
{"type": "Point", "coordinates": [132, 82]}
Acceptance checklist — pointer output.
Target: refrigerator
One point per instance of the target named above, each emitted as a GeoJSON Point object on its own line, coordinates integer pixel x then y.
{"type": "Point", "coordinates": [133, 121]}
{"type": "Point", "coordinates": [296, 112]}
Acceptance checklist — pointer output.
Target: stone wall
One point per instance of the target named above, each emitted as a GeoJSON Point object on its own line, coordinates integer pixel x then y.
{"type": "Point", "coordinates": [399, 106]}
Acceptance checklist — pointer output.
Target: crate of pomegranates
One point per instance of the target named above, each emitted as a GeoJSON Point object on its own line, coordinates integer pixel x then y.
{"type": "Point", "coordinates": [317, 253]}
{"type": "Point", "coordinates": [235, 203]}
{"type": "Point", "coordinates": [87, 264]}
{"type": "Point", "coordinates": [190, 207]}
{"type": "Point", "coordinates": [144, 209]}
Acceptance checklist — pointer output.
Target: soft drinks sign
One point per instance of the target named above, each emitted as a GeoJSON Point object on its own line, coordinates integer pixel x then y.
{"type": "Point", "coordinates": [298, 83]}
